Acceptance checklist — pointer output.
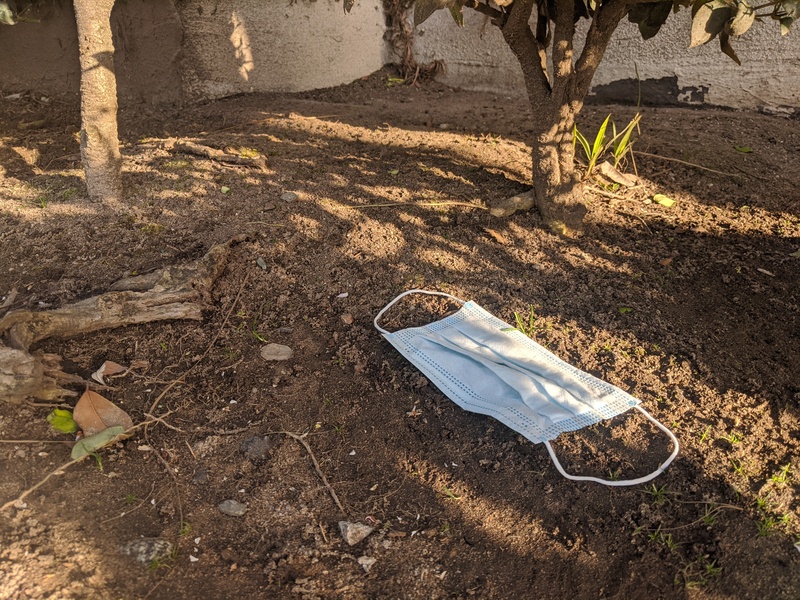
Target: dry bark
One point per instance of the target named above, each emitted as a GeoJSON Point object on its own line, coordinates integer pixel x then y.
{"type": "Point", "coordinates": [178, 292]}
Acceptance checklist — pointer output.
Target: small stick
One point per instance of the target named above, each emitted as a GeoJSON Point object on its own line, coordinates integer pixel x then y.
{"type": "Point", "coordinates": [411, 204]}
{"type": "Point", "coordinates": [324, 479]}
{"type": "Point", "coordinates": [30, 490]}
{"type": "Point", "coordinates": [688, 164]}
{"type": "Point", "coordinates": [208, 349]}
{"type": "Point", "coordinates": [163, 422]}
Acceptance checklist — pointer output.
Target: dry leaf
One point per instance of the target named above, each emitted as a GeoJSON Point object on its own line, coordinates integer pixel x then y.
{"type": "Point", "coordinates": [610, 171]}
{"type": "Point", "coordinates": [666, 262]}
{"type": "Point", "coordinates": [107, 369]}
{"type": "Point", "coordinates": [93, 414]}
{"type": "Point", "coordinates": [497, 236]}
{"type": "Point", "coordinates": [140, 364]}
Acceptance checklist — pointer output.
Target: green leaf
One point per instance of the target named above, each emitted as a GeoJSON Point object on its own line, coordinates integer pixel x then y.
{"type": "Point", "coordinates": [650, 16]}
{"type": "Point", "coordinates": [709, 20]}
{"type": "Point", "coordinates": [743, 149]}
{"type": "Point", "coordinates": [624, 310]}
{"type": "Point", "coordinates": [8, 12]}
{"type": "Point", "coordinates": [744, 19]}
{"type": "Point", "coordinates": [577, 135]}
{"type": "Point", "coordinates": [457, 12]}
{"type": "Point", "coordinates": [224, 189]}
{"type": "Point", "coordinates": [394, 171]}
{"type": "Point", "coordinates": [425, 8]}
{"type": "Point", "coordinates": [597, 147]}
{"type": "Point", "coordinates": [61, 420]}
{"type": "Point", "coordinates": [663, 200]}
{"type": "Point", "coordinates": [92, 444]}
{"type": "Point", "coordinates": [795, 254]}
{"type": "Point", "coordinates": [786, 24]}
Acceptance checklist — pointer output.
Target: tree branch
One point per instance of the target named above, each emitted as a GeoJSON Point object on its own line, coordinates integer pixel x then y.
{"type": "Point", "coordinates": [562, 44]}
{"type": "Point", "coordinates": [519, 37]}
{"type": "Point", "coordinates": [603, 25]}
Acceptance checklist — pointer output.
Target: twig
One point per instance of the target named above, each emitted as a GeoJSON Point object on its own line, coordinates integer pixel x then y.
{"type": "Point", "coordinates": [602, 192]}
{"type": "Point", "coordinates": [208, 349]}
{"type": "Point", "coordinates": [188, 147]}
{"type": "Point", "coordinates": [300, 438]}
{"type": "Point", "coordinates": [30, 490]}
{"type": "Point", "coordinates": [411, 204]}
{"type": "Point", "coordinates": [12, 295]}
{"type": "Point", "coordinates": [683, 162]}
{"type": "Point", "coordinates": [163, 422]}
{"type": "Point", "coordinates": [637, 217]}
{"type": "Point", "coordinates": [35, 442]}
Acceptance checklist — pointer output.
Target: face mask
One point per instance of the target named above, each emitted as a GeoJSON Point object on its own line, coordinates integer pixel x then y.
{"type": "Point", "coordinates": [487, 366]}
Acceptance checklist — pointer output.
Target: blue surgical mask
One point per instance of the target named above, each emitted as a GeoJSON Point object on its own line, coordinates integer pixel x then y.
{"type": "Point", "coordinates": [487, 366]}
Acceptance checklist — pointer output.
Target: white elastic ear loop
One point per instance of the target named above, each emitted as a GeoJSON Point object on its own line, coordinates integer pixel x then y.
{"type": "Point", "coordinates": [404, 294]}
{"type": "Point", "coordinates": [623, 482]}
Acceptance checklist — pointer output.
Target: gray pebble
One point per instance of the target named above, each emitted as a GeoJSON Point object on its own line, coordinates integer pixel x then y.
{"type": "Point", "coordinates": [289, 196]}
{"type": "Point", "coordinates": [256, 448]}
{"type": "Point", "coordinates": [354, 532]}
{"type": "Point", "coordinates": [201, 476]}
{"type": "Point", "coordinates": [232, 508]}
{"type": "Point", "coordinates": [276, 352]}
{"type": "Point", "coordinates": [146, 550]}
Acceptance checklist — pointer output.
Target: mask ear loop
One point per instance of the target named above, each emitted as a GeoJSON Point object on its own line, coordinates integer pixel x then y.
{"type": "Point", "coordinates": [623, 482]}
{"type": "Point", "coordinates": [403, 295]}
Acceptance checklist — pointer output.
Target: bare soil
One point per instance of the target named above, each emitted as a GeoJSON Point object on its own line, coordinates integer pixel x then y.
{"type": "Point", "coordinates": [693, 308]}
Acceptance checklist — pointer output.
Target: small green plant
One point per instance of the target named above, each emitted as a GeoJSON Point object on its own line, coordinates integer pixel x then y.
{"type": "Point", "coordinates": [766, 525]}
{"type": "Point", "coordinates": [698, 573]}
{"type": "Point", "coordinates": [526, 324]}
{"type": "Point", "coordinates": [704, 436]}
{"type": "Point", "coordinates": [738, 467]}
{"type": "Point", "coordinates": [782, 476]}
{"type": "Point", "coordinates": [733, 438]}
{"type": "Point", "coordinates": [613, 475]}
{"type": "Point", "coordinates": [186, 529]}
{"type": "Point", "coordinates": [42, 201]}
{"type": "Point", "coordinates": [450, 495]}
{"type": "Point", "coordinates": [130, 499]}
{"type": "Point", "coordinates": [619, 145]}
{"type": "Point", "coordinates": [710, 516]}
{"type": "Point", "coordinates": [659, 494]}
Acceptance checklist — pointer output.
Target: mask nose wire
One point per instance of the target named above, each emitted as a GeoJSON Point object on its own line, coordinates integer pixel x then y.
{"type": "Point", "coordinates": [623, 482]}
{"type": "Point", "coordinates": [403, 295]}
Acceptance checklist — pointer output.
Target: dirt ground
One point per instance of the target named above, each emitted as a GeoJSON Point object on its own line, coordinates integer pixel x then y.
{"type": "Point", "coordinates": [693, 308]}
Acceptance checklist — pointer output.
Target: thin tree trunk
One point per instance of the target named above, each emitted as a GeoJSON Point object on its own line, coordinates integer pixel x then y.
{"type": "Point", "coordinates": [99, 138]}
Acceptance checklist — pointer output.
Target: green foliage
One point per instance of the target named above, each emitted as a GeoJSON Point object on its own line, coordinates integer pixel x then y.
{"type": "Point", "coordinates": [90, 445]}
{"type": "Point", "coordinates": [61, 420]}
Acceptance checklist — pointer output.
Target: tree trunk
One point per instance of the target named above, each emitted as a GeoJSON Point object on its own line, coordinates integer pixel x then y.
{"type": "Point", "coordinates": [557, 188]}
{"type": "Point", "coordinates": [99, 139]}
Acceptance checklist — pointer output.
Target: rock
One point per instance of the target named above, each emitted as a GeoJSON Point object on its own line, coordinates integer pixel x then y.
{"type": "Point", "coordinates": [201, 476]}
{"type": "Point", "coordinates": [232, 508]}
{"type": "Point", "coordinates": [146, 550]}
{"type": "Point", "coordinates": [354, 532]}
{"type": "Point", "coordinates": [256, 448]}
{"type": "Point", "coordinates": [507, 207]}
{"type": "Point", "coordinates": [366, 562]}
{"type": "Point", "coordinates": [276, 352]}
{"type": "Point", "coordinates": [285, 330]}
{"type": "Point", "coordinates": [347, 319]}
{"type": "Point", "coordinates": [289, 197]}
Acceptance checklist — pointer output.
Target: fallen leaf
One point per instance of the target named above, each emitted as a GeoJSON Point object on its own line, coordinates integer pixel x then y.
{"type": "Point", "coordinates": [663, 200]}
{"type": "Point", "coordinates": [667, 261]}
{"type": "Point", "coordinates": [347, 318]}
{"type": "Point", "coordinates": [765, 272]}
{"type": "Point", "coordinates": [224, 189]}
{"type": "Point", "coordinates": [394, 171]}
{"type": "Point", "coordinates": [93, 414]}
{"type": "Point", "coordinates": [624, 309]}
{"type": "Point", "coordinates": [261, 263]}
{"type": "Point", "coordinates": [610, 171]}
{"type": "Point", "coordinates": [497, 236]}
{"type": "Point", "coordinates": [140, 364]}
{"type": "Point", "coordinates": [61, 420]}
{"type": "Point", "coordinates": [743, 149]}
{"type": "Point", "coordinates": [107, 369]}
{"type": "Point", "coordinates": [90, 445]}
{"type": "Point", "coordinates": [795, 254]}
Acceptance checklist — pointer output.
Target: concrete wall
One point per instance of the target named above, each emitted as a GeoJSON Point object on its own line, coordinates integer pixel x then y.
{"type": "Point", "coordinates": [277, 45]}
{"type": "Point", "coordinates": [769, 78]}
{"type": "Point", "coordinates": [171, 51]}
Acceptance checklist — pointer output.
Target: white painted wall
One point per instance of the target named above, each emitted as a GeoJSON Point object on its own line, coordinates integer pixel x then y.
{"type": "Point", "coordinates": [276, 45]}
{"type": "Point", "coordinates": [769, 78]}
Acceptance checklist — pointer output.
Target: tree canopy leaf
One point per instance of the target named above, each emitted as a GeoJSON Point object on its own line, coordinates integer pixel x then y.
{"type": "Point", "coordinates": [650, 16]}
{"type": "Point", "coordinates": [709, 21]}
{"type": "Point", "coordinates": [8, 12]}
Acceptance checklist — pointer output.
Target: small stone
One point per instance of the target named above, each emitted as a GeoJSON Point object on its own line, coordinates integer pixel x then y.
{"type": "Point", "coordinates": [289, 197]}
{"type": "Point", "coordinates": [354, 532]}
{"type": "Point", "coordinates": [366, 562]}
{"type": "Point", "coordinates": [146, 550]}
{"type": "Point", "coordinates": [347, 318]}
{"type": "Point", "coordinates": [507, 207]}
{"type": "Point", "coordinates": [285, 330]}
{"type": "Point", "coordinates": [232, 508]}
{"type": "Point", "coordinates": [256, 448]}
{"type": "Point", "coordinates": [201, 476]}
{"type": "Point", "coordinates": [276, 352]}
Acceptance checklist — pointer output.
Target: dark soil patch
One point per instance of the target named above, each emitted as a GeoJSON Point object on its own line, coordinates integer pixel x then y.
{"type": "Point", "coordinates": [462, 506]}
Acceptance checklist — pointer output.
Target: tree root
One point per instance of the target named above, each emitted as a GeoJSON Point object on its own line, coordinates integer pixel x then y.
{"type": "Point", "coordinates": [177, 292]}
